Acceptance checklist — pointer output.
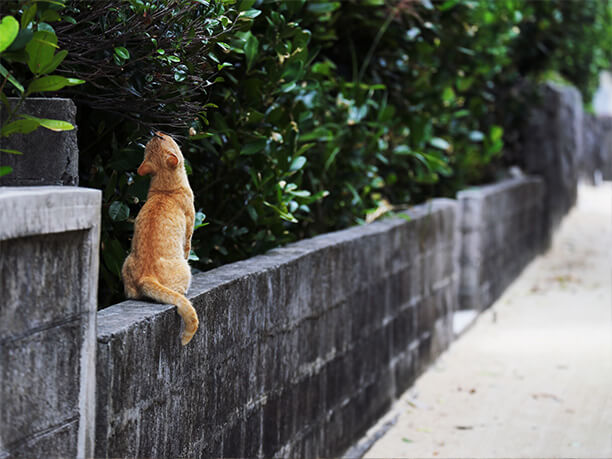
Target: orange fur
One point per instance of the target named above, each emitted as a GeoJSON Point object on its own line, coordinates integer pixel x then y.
{"type": "Point", "coordinates": [157, 265]}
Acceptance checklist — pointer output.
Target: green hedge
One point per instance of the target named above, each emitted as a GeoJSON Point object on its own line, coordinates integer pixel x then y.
{"type": "Point", "coordinates": [303, 117]}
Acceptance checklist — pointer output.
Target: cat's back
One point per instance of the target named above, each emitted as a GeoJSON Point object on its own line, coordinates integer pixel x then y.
{"type": "Point", "coordinates": [160, 227]}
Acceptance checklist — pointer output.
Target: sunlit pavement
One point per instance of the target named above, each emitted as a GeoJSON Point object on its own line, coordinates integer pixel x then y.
{"type": "Point", "coordinates": [533, 376]}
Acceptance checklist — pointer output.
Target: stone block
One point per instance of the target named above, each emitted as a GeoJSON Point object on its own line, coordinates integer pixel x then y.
{"type": "Point", "coordinates": [49, 271]}
{"type": "Point", "coordinates": [49, 157]}
{"type": "Point", "coordinates": [286, 340]}
{"type": "Point", "coordinates": [505, 237]}
{"type": "Point", "coordinates": [553, 147]}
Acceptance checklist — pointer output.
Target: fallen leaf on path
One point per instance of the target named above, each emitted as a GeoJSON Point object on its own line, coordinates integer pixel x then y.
{"type": "Point", "coordinates": [472, 391]}
{"type": "Point", "coordinates": [407, 440]}
{"type": "Point", "coordinates": [464, 427]}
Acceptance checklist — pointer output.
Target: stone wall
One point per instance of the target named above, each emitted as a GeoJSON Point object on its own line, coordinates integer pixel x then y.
{"type": "Point", "coordinates": [596, 161]}
{"type": "Point", "coordinates": [49, 240]}
{"type": "Point", "coordinates": [49, 158]}
{"type": "Point", "coordinates": [299, 351]}
{"type": "Point", "coordinates": [501, 232]}
{"type": "Point", "coordinates": [552, 148]}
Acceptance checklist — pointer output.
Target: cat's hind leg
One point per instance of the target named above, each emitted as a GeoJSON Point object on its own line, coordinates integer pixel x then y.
{"type": "Point", "coordinates": [174, 273]}
{"type": "Point", "coordinates": [129, 284]}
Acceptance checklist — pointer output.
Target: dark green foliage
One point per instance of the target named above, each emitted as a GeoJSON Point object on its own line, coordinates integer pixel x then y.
{"type": "Point", "coordinates": [308, 116]}
{"type": "Point", "coordinates": [29, 45]}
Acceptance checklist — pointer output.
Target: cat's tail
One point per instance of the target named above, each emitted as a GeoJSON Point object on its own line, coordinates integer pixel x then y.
{"type": "Point", "coordinates": [153, 289]}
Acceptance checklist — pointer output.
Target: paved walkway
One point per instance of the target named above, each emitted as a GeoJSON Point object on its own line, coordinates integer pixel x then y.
{"type": "Point", "coordinates": [533, 376]}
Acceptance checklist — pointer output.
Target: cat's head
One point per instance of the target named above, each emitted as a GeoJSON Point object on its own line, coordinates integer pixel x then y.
{"type": "Point", "coordinates": [161, 153]}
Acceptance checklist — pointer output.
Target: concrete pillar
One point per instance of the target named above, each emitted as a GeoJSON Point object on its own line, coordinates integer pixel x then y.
{"type": "Point", "coordinates": [49, 158]}
{"type": "Point", "coordinates": [49, 238]}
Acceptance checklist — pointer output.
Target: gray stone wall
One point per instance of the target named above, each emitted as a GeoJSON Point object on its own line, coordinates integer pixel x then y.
{"type": "Point", "coordinates": [49, 240]}
{"type": "Point", "coordinates": [501, 231]}
{"type": "Point", "coordinates": [553, 146]}
{"type": "Point", "coordinates": [596, 161]}
{"type": "Point", "coordinates": [298, 352]}
{"type": "Point", "coordinates": [49, 158]}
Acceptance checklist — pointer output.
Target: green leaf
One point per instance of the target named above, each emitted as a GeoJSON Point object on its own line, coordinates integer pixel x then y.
{"type": "Point", "coordinates": [250, 14]}
{"type": "Point", "coordinates": [199, 220]}
{"type": "Point", "coordinates": [11, 152]}
{"type": "Point", "coordinates": [297, 163]}
{"type": "Point", "coordinates": [330, 159]}
{"type": "Point", "coordinates": [463, 84]}
{"type": "Point", "coordinates": [52, 83]}
{"type": "Point", "coordinates": [41, 49]}
{"type": "Point", "coordinates": [122, 52]}
{"type": "Point", "coordinates": [250, 49]}
{"type": "Point", "coordinates": [496, 133]}
{"type": "Point", "coordinates": [476, 136]}
{"type": "Point", "coordinates": [28, 15]}
{"type": "Point", "coordinates": [46, 28]}
{"type": "Point", "coordinates": [448, 4]}
{"type": "Point", "coordinates": [9, 28]}
{"type": "Point", "coordinates": [252, 213]}
{"type": "Point", "coordinates": [300, 193]}
{"type": "Point", "coordinates": [23, 126]}
{"type": "Point", "coordinates": [23, 38]}
{"type": "Point", "coordinates": [193, 256]}
{"type": "Point", "coordinates": [323, 7]}
{"type": "Point", "coordinates": [253, 147]}
{"type": "Point", "coordinates": [402, 150]}
{"type": "Point", "coordinates": [4, 170]}
{"type": "Point", "coordinates": [246, 5]}
{"type": "Point", "coordinates": [118, 211]}
{"type": "Point", "coordinates": [284, 215]}
{"type": "Point", "coordinates": [55, 62]}
{"type": "Point", "coordinates": [5, 73]}
{"type": "Point", "coordinates": [50, 15]}
{"type": "Point", "coordinates": [448, 95]}
{"type": "Point", "coordinates": [440, 143]}
{"type": "Point", "coordinates": [53, 125]}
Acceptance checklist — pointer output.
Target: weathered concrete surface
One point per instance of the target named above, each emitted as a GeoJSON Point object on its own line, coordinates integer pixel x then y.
{"type": "Point", "coordinates": [49, 158]}
{"type": "Point", "coordinates": [49, 240]}
{"type": "Point", "coordinates": [533, 377]}
{"type": "Point", "coordinates": [298, 351]}
{"type": "Point", "coordinates": [501, 231]}
{"type": "Point", "coordinates": [552, 148]}
{"type": "Point", "coordinates": [596, 162]}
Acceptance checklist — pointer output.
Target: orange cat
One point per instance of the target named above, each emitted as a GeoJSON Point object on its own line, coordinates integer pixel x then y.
{"type": "Point", "coordinates": [157, 265]}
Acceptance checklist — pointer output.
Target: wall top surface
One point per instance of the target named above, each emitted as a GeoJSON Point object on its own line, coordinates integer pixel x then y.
{"type": "Point", "coordinates": [28, 211]}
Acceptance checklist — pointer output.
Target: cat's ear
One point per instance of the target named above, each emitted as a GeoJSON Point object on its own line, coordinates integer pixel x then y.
{"type": "Point", "coordinates": [172, 160]}
{"type": "Point", "coordinates": [145, 168]}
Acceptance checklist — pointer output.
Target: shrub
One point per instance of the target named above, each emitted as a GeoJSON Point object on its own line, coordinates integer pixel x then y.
{"type": "Point", "coordinates": [307, 116]}
{"type": "Point", "coordinates": [31, 44]}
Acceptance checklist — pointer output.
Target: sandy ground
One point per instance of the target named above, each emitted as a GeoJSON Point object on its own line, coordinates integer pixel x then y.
{"type": "Point", "coordinates": [533, 376]}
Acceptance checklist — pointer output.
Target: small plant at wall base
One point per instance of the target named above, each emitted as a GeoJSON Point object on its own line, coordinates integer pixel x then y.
{"type": "Point", "coordinates": [30, 42]}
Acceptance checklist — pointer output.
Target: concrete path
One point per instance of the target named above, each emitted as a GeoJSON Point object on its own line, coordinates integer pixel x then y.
{"type": "Point", "coordinates": [533, 376]}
